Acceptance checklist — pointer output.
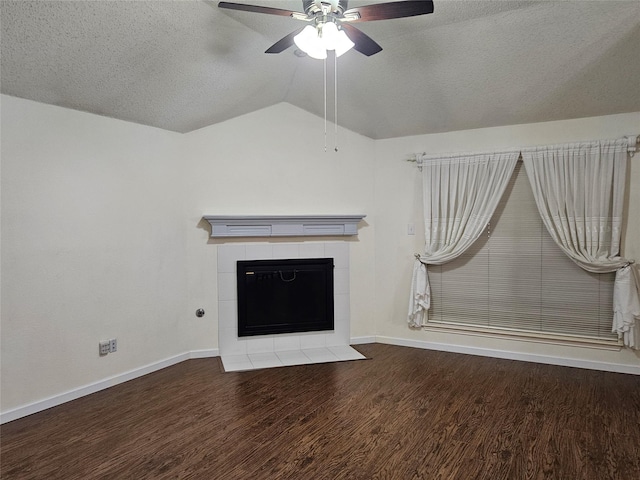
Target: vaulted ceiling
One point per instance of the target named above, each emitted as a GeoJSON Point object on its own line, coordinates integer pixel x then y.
{"type": "Point", "coordinates": [183, 65]}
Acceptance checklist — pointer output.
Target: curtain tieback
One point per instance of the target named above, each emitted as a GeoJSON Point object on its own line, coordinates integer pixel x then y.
{"type": "Point", "coordinates": [418, 257]}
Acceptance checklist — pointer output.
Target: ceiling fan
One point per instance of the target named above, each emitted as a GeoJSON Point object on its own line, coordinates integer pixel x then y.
{"type": "Point", "coordinates": [330, 24]}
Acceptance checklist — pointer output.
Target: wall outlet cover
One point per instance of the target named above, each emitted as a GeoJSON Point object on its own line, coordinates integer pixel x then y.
{"type": "Point", "coordinates": [103, 348]}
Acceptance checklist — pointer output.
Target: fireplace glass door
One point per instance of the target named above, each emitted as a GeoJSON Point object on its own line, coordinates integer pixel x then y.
{"type": "Point", "coordinates": [285, 296]}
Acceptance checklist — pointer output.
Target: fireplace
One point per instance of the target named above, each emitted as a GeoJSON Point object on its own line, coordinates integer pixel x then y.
{"type": "Point", "coordinates": [285, 296]}
{"type": "Point", "coordinates": [231, 343]}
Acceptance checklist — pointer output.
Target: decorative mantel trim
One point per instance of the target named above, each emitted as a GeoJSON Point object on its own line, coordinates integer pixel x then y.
{"type": "Point", "coordinates": [283, 226]}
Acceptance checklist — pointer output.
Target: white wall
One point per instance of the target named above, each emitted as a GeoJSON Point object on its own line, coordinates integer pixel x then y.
{"type": "Point", "coordinates": [399, 202]}
{"type": "Point", "coordinates": [102, 234]}
{"type": "Point", "coordinates": [273, 162]}
{"type": "Point", "coordinates": [90, 248]}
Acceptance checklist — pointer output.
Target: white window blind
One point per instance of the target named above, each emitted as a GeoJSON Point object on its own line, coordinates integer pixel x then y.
{"type": "Point", "coordinates": [515, 278]}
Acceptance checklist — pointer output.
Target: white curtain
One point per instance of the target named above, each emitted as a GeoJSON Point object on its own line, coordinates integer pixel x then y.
{"type": "Point", "coordinates": [460, 194]}
{"type": "Point", "coordinates": [579, 190]}
{"type": "Point", "coordinates": [626, 306]}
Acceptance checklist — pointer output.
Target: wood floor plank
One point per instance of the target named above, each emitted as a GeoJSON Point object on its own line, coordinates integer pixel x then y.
{"type": "Point", "coordinates": [404, 414]}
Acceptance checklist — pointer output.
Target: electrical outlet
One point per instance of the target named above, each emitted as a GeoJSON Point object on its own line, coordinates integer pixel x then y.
{"type": "Point", "coordinates": [104, 348]}
{"type": "Point", "coordinates": [411, 229]}
{"type": "Point", "coordinates": [113, 345]}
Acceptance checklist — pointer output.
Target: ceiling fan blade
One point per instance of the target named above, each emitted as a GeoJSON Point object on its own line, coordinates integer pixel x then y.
{"type": "Point", "coordinates": [284, 43]}
{"type": "Point", "coordinates": [363, 42]}
{"type": "Point", "coordinates": [386, 11]}
{"type": "Point", "coordinates": [258, 9]}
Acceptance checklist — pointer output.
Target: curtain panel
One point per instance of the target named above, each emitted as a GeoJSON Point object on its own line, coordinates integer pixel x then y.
{"type": "Point", "coordinates": [460, 194]}
{"type": "Point", "coordinates": [579, 191]}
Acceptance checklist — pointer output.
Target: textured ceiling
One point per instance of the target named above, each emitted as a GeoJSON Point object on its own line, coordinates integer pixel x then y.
{"type": "Point", "coordinates": [183, 65]}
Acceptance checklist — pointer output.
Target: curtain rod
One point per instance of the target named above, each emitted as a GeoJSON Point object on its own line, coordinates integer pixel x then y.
{"type": "Point", "coordinates": [633, 144]}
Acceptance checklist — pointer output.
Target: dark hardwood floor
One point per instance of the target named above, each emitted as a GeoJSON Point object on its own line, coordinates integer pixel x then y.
{"type": "Point", "coordinates": [403, 414]}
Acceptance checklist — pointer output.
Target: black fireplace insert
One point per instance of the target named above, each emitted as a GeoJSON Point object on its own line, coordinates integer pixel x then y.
{"type": "Point", "coordinates": [285, 296]}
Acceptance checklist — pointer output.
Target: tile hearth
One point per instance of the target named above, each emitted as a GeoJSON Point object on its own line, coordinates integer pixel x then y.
{"type": "Point", "coordinates": [286, 358]}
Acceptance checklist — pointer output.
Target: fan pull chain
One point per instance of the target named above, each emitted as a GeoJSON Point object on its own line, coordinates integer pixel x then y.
{"type": "Point", "coordinates": [325, 104]}
{"type": "Point", "coordinates": [335, 102]}
{"type": "Point", "coordinates": [335, 97]}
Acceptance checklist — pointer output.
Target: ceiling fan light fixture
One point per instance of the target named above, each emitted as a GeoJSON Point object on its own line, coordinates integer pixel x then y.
{"type": "Point", "coordinates": [315, 41]}
{"type": "Point", "coordinates": [310, 43]}
{"type": "Point", "coordinates": [329, 34]}
{"type": "Point", "coordinates": [343, 43]}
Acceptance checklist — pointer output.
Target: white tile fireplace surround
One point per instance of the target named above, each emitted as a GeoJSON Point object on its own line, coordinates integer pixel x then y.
{"type": "Point", "coordinates": [248, 353]}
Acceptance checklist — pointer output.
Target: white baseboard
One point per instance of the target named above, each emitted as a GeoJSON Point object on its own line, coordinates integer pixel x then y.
{"type": "Point", "coordinates": [362, 340]}
{"type": "Point", "coordinates": [509, 355]}
{"type": "Point", "coordinates": [59, 399]}
{"type": "Point", "coordinates": [208, 353]}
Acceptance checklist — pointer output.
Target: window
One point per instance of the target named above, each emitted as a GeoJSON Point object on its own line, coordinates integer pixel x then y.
{"type": "Point", "coordinates": [515, 278]}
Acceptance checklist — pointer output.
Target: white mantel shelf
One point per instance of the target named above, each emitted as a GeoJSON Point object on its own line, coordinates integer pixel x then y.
{"type": "Point", "coordinates": [283, 225]}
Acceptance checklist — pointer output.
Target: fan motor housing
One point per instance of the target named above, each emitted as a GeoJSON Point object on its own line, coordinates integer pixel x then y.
{"type": "Point", "coordinates": [311, 6]}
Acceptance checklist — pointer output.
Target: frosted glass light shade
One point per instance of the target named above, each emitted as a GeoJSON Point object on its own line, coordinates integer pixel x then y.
{"type": "Point", "coordinates": [343, 43]}
{"type": "Point", "coordinates": [310, 43]}
{"type": "Point", "coordinates": [315, 41]}
{"type": "Point", "coordinates": [329, 35]}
